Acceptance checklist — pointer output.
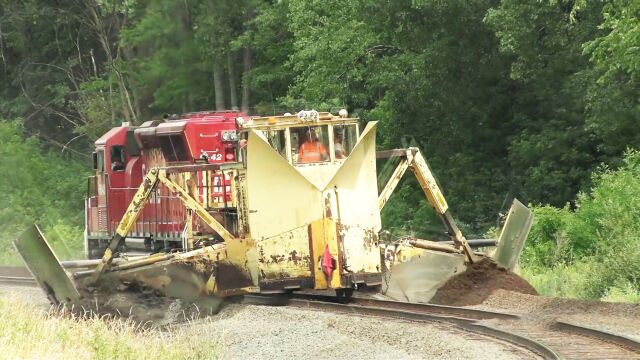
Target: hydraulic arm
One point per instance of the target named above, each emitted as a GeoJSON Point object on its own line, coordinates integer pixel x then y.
{"type": "Point", "coordinates": [411, 158]}
{"type": "Point", "coordinates": [148, 186]}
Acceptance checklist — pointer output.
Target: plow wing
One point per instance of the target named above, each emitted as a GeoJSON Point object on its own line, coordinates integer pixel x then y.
{"type": "Point", "coordinates": [514, 233]}
{"type": "Point", "coordinates": [45, 266]}
{"type": "Point", "coordinates": [415, 274]}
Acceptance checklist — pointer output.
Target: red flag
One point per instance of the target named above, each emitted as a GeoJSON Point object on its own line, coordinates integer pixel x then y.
{"type": "Point", "coordinates": [327, 262]}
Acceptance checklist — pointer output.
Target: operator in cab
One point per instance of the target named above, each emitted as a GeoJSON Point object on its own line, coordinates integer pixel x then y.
{"type": "Point", "coordinates": [312, 150]}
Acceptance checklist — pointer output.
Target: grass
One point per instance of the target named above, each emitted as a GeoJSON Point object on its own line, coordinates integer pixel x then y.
{"type": "Point", "coordinates": [577, 281]}
{"type": "Point", "coordinates": [28, 332]}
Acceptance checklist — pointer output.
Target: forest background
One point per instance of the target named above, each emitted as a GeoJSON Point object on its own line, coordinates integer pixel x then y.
{"type": "Point", "coordinates": [538, 100]}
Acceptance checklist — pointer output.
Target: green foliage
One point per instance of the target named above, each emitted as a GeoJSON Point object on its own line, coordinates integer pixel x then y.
{"type": "Point", "coordinates": [592, 251]}
{"type": "Point", "coordinates": [170, 72]}
{"type": "Point", "coordinates": [40, 187]}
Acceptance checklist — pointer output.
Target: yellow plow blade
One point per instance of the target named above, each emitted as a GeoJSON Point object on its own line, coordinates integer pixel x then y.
{"type": "Point", "coordinates": [45, 266]}
{"type": "Point", "coordinates": [514, 234]}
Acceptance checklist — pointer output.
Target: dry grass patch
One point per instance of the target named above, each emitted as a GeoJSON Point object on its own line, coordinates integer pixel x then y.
{"type": "Point", "coordinates": [28, 332]}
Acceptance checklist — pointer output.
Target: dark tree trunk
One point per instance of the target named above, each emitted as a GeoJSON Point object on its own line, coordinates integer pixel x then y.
{"type": "Point", "coordinates": [233, 90]}
{"type": "Point", "coordinates": [218, 86]}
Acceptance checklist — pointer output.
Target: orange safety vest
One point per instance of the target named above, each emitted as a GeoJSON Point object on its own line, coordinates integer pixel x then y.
{"type": "Point", "coordinates": [311, 152]}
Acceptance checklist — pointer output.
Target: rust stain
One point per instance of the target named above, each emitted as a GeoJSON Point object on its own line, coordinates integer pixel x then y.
{"type": "Point", "coordinates": [327, 206]}
{"type": "Point", "coordinates": [370, 239]}
{"type": "Point", "coordinates": [293, 256]}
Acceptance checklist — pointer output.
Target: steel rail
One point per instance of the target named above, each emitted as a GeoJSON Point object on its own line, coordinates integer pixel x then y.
{"type": "Point", "coordinates": [601, 335]}
{"type": "Point", "coordinates": [18, 280]}
{"type": "Point", "coordinates": [467, 313]}
{"type": "Point", "coordinates": [461, 323]}
{"type": "Point", "coordinates": [558, 340]}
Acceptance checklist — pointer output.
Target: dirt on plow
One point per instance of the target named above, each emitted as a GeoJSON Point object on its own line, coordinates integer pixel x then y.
{"type": "Point", "coordinates": [478, 282]}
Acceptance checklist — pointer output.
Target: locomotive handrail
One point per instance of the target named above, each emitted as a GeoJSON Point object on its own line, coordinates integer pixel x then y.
{"type": "Point", "coordinates": [199, 167]}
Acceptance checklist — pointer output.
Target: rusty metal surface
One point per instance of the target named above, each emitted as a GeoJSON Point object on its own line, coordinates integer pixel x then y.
{"type": "Point", "coordinates": [285, 255]}
{"type": "Point", "coordinates": [337, 200]}
{"type": "Point", "coordinates": [353, 197]}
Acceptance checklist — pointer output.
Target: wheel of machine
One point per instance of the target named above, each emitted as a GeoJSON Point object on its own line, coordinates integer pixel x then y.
{"type": "Point", "coordinates": [344, 295]}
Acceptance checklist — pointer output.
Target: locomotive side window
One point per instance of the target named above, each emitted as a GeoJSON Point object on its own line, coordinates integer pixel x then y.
{"type": "Point", "coordinates": [173, 148]}
{"type": "Point", "coordinates": [117, 158]}
{"type": "Point", "coordinates": [132, 145]}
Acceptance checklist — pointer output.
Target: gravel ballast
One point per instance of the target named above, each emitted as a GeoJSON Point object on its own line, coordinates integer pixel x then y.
{"type": "Point", "coordinates": [619, 318]}
{"type": "Point", "coordinates": [262, 332]}
{"type": "Point", "coordinates": [268, 332]}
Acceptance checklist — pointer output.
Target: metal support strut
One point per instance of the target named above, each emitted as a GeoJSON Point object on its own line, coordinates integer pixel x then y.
{"type": "Point", "coordinates": [149, 184]}
{"type": "Point", "coordinates": [413, 159]}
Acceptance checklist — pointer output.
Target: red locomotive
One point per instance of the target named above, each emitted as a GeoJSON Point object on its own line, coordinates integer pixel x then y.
{"type": "Point", "coordinates": [125, 153]}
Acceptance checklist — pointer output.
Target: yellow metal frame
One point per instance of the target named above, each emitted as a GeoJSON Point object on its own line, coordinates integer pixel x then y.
{"type": "Point", "coordinates": [412, 159]}
{"type": "Point", "coordinates": [131, 215]}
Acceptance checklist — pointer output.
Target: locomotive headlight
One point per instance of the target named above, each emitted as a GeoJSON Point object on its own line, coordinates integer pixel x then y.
{"type": "Point", "coordinates": [229, 135]}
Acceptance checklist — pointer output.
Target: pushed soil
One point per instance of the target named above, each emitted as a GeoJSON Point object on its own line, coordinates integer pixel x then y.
{"type": "Point", "coordinates": [478, 282]}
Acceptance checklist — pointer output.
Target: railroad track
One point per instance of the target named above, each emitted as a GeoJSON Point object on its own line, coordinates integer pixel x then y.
{"type": "Point", "coordinates": [17, 281]}
{"type": "Point", "coordinates": [572, 341]}
{"type": "Point", "coordinates": [16, 276]}
{"type": "Point", "coordinates": [557, 340]}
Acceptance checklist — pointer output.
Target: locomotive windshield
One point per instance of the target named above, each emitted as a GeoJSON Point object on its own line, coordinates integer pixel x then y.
{"type": "Point", "coordinates": [173, 148]}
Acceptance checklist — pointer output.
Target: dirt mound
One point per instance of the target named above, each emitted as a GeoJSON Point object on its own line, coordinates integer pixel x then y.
{"type": "Point", "coordinates": [479, 281]}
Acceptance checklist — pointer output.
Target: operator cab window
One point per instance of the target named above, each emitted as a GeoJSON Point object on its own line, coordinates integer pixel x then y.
{"type": "Point", "coordinates": [277, 140]}
{"type": "Point", "coordinates": [344, 139]}
{"type": "Point", "coordinates": [118, 158]}
{"type": "Point", "coordinates": [310, 144]}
